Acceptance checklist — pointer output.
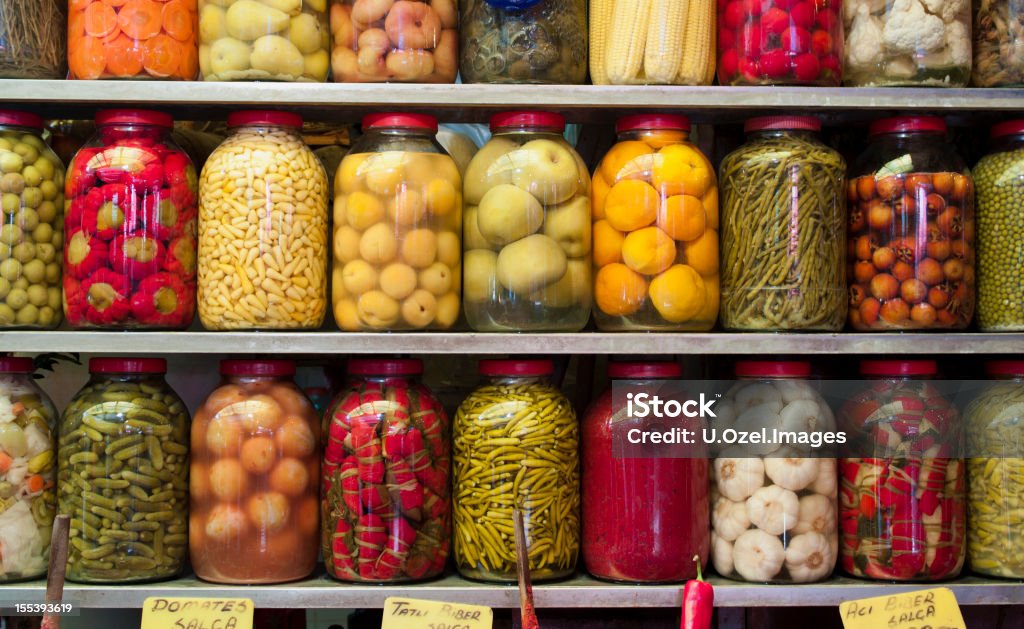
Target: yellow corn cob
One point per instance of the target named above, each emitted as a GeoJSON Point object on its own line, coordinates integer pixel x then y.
{"type": "Point", "coordinates": [663, 56]}
{"type": "Point", "coordinates": [709, 75]}
{"type": "Point", "coordinates": [600, 25]}
{"type": "Point", "coordinates": [626, 51]}
{"type": "Point", "coordinates": [697, 43]}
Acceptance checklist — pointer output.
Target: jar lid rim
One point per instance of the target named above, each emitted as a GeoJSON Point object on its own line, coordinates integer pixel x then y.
{"type": "Point", "coordinates": [120, 364]}
{"type": "Point", "coordinates": [400, 119]}
{"type": "Point", "coordinates": [384, 366]}
{"type": "Point", "coordinates": [250, 367]}
{"type": "Point", "coordinates": [271, 117]}
{"type": "Point", "coordinates": [773, 368]}
{"type": "Point", "coordinates": [653, 369]}
{"type": "Point", "coordinates": [16, 364]}
{"type": "Point", "coordinates": [528, 118]}
{"type": "Point", "coordinates": [516, 367]}
{"type": "Point", "coordinates": [134, 116]}
{"type": "Point", "coordinates": [910, 367]}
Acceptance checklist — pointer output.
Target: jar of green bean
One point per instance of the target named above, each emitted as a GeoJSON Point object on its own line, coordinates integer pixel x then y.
{"type": "Point", "coordinates": [123, 474]}
{"type": "Point", "coordinates": [783, 229]}
{"type": "Point", "coordinates": [516, 448]}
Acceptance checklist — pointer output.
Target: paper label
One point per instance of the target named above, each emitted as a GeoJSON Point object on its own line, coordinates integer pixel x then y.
{"type": "Point", "coordinates": [410, 613]}
{"type": "Point", "coordinates": [159, 612]}
{"type": "Point", "coordinates": [923, 609]}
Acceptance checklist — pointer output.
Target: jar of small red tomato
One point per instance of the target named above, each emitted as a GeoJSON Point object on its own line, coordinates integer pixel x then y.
{"type": "Point", "coordinates": [903, 504]}
{"type": "Point", "coordinates": [644, 518]}
{"type": "Point", "coordinates": [130, 248]}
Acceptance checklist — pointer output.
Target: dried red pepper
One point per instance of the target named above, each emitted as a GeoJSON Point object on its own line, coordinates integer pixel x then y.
{"type": "Point", "coordinates": [106, 296]}
{"type": "Point", "coordinates": [162, 300]}
{"type": "Point", "coordinates": [698, 602]}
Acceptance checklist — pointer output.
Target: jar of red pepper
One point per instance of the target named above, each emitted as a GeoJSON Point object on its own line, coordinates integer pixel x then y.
{"type": "Point", "coordinates": [903, 503]}
{"type": "Point", "coordinates": [130, 248]}
{"type": "Point", "coordinates": [644, 519]}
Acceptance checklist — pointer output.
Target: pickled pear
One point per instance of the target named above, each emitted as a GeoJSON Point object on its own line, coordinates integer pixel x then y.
{"type": "Point", "coordinates": [248, 20]}
{"type": "Point", "coordinates": [291, 7]}
{"type": "Point", "coordinates": [229, 55]}
{"type": "Point", "coordinates": [531, 263]}
{"type": "Point", "coordinates": [476, 183]}
{"type": "Point", "coordinates": [572, 290]}
{"type": "Point", "coordinates": [480, 268]}
{"type": "Point", "coordinates": [213, 23]}
{"type": "Point", "coordinates": [508, 213]}
{"type": "Point", "coordinates": [316, 65]}
{"type": "Point", "coordinates": [305, 32]}
{"type": "Point", "coordinates": [569, 224]}
{"type": "Point", "coordinates": [277, 56]}
{"type": "Point", "coordinates": [317, 5]}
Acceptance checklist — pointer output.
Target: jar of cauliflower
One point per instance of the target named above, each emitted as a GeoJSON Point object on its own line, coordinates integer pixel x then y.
{"type": "Point", "coordinates": [262, 228]}
{"type": "Point", "coordinates": [773, 506]}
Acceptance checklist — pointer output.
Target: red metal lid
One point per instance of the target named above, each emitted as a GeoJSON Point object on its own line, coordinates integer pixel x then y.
{"type": "Point", "coordinates": [1005, 367]}
{"type": "Point", "coordinates": [237, 367]}
{"type": "Point", "coordinates": [528, 119]}
{"type": "Point", "coordinates": [415, 121]}
{"type": "Point", "coordinates": [773, 368]}
{"type": "Point", "coordinates": [16, 364]}
{"type": "Point", "coordinates": [516, 367]}
{"type": "Point", "coordinates": [652, 370]}
{"type": "Point", "coordinates": [127, 365]}
{"type": "Point", "coordinates": [134, 116]}
{"type": "Point", "coordinates": [385, 367]}
{"type": "Point", "coordinates": [809, 123]}
{"type": "Point", "coordinates": [1007, 127]}
{"type": "Point", "coordinates": [898, 367]}
{"type": "Point", "coordinates": [265, 117]}
{"type": "Point", "coordinates": [652, 121]}
{"type": "Point", "coordinates": [905, 124]}
{"type": "Point", "coordinates": [21, 119]}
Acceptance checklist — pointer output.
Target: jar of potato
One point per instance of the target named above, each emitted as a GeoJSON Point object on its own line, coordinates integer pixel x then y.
{"type": "Point", "coordinates": [28, 433]}
{"type": "Point", "coordinates": [397, 229]}
{"type": "Point", "coordinates": [526, 229]}
{"type": "Point", "coordinates": [403, 41]}
{"type": "Point", "coordinates": [655, 229]}
{"type": "Point", "coordinates": [264, 40]}
{"type": "Point", "coordinates": [523, 41]}
{"type": "Point", "coordinates": [262, 228]}
{"type": "Point", "coordinates": [516, 446]}
{"type": "Point", "coordinates": [783, 229]}
{"type": "Point", "coordinates": [998, 44]}
{"type": "Point", "coordinates": [31, 226]}
{"type": "Point", "coordinates": [255, 511]}
{"type": "Point", "coordinates": [123, 474]}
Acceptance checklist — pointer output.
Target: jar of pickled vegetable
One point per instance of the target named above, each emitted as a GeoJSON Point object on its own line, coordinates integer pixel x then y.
{"type": "Point", "coordinates": [523, 41]}
{"type": "Point", "coordinates": [272, 274]}
{"type": "Point", "coordinates": [911, 230]}
{"type": "Point", "coordinates": [28, 433]}
{"type": "Point", "coordinates": [903, 506]}
{"type": "Point", "coordinates": [773, 504]}
{"type": "Point", "coordinates": [386, 499]}
{"type": "Point", "coordinates": [130, 226]}
{"type": "Point", "coordinates": [783, 229]}
{"type": "Point", "coordinates": [655, 229]}
{"type": "Point", "coordinates": [516, 448]}
{"type": "Point", "coordinates": [31, 226]}
{"type": "Point", "coordinates": [644, 518]}
{"type": "Point", "coordinates": [123, 474]}
{"type": "Point", "coordinates": [255, 510]}
{"type": "Point", "coordinates": [998, 44]}
{"type": "Point", "coordinates": [33, 44]}
{"type": "Point", "coordinates": [397, 229]}
{"type": "Point", "coordinates": [526, 229]}
{"type": "Point", "coordinates": [995, 471]}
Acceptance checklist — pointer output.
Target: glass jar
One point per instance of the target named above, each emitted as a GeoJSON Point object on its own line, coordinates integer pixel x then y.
{"type": "Point", "coordinates": [907, 42]}
{"type": "Point", "coordinates": [516, 447]}
{"type": "Point", "coordinates": [249, 40]}
{"type": "Point", "coordinates": [783, 234]}
{"type": "Point", "coordinates": [385, 495]}
{"type": "Point", "coordinates": [773, 505]}
{"type": "Point", "coordinates": [129, 230]}
{"type": "Point", "coordinates": [903, 506]}
{"type": "Point", "coordinates": [133, 40]}
{"type": "Point", "coordinates": [28, 432]}
{"type": "Point", "coordinates": [665, 43]}
{"type": "Point", "coordinates": [911, 230]}
{"type": "Point", "coordinates": [526, 229]}
{"type": "Point", "coordinates": [995, 472]}
{"type": "Point", "coordinates": [37, 52]}
{"type": "Point", "coordinates": [397, 229]}
{"type": "Point", "coordinates": [523, 41]}
{"type": "Point", "coordinates": [272, 275]}
{"type": "Point", "coordinates": [644, 519]}
{"type": "Point", "coordinates": [998, 44]}
{"type": "Point", "coordinates": [255, 477]}
{"type": "Point", "coordinates": [780, 42]}
{"type": "Point", "coordinates": [404, 41]}
{"type": "Point", "coordinates": [123, 474]}
{"type": "Point", "coordinates": [32, 224]}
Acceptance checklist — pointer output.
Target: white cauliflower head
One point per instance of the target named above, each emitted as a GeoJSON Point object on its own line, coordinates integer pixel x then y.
{"type": "Point", "coordinates": [910, 29]}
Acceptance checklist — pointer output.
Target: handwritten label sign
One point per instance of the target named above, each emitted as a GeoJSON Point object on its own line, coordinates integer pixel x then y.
{"type": "Point", "coordinates": [159, 612]}
{"type": "Point", "coordinates": [924, 609]}
{"type": "Point", "coordinates": [411, 613]}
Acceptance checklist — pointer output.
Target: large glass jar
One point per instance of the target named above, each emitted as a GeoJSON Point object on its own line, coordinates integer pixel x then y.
{"type": "Point", "coordinates": [255, 510]}
{"type": "Point", "coordinates": [998, 44]}
{"type": "Point", "coordinates": [386, 498]}
{"type": "Point", "coordinates": [263, 238]}
{"type": "Point", "coordinates": [123, 474]}
{"type": "Point", "coordinates": [903, 503]}
{"type": "Point", "coordinates": [516, 447]}
{"type": "Point", "coordinates": [28, 465]}
{"type": "Point", "coordinates": [403, 41]}
{"type": "Point", "coordinates": [773, 505]}
{"type": "Point", "coordinates": [783, 229]}
{"type": "Point", "coordinates": [907, 42]}
{"type": "Point", "coordinates": [32, 223]}
{"type": "Point", "coordinates": [652, 43]}
{"type": "Point", "coordinates": [644, 517]}
{"type": "Point", "coordinates": [37, 52]}
{"type": "Point", "coordinates": [526, 229]}
{"type": "Point", "coordinates": [136, 39]}
{"type": "Point", "coordinates": [911, 230]}
{"type": "Point", "coordinates": [275, 40]}
{"type": "Point", "coordinates": [129, 230]}
{"type": "Point", "coordinates": [523, 41]}
{"type": "Point", "coordinates": [995, 473]}
{"type": "Point", "coordinates": [397, 229]}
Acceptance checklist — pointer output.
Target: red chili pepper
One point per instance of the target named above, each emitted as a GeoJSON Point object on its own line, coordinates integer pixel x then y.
{"type": "Point", "coordinates": [161, 217]}
{"type": "Point", "coordinates": [106, 295]}
{"type": "Point", "coordinates": [183, 195]}
{"type": "Point", "coordinates": [105, 220]}
{"type": "Point", "coordinates": [84, 254]}
{"type": "Point", "coordinates": [178, 169]}
{"type": "Point", "coordinates": [74, 301]}
{"type": "Point", "coordinates": [698, 602]}
{"type": "Point", "coordinates": [162, 299]}
{"type": "Point", "coordinates": [136, 255]}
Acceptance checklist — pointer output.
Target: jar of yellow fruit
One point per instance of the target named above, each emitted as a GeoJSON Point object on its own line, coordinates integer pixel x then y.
{"type": "Point", "coordinates": [655, 224]}
{"type": "Point", "coordinates": [397, 229]}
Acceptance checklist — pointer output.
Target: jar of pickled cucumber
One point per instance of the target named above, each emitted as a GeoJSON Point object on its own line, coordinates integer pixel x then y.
{"type": "Point", "coordinates": [28, 466]}
{"type": "Point", "coordinates": [397, 229]}
{"type": "Point", "coordinates": [526, 229]}
{"type": "Point", "coordinates": [516, 444]}
{"type": "Point", "coordinates": [995, 472]}
{"type": "Point", "coordinates": [655, 229]}
{"type": "Point", "coordinates": [32, 224]}
{"type": "Point", "coordinates": [123, 474]}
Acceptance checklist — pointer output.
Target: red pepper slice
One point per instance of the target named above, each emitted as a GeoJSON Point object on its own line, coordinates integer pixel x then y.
{"type": "Point", "coordinates": [106, 297]}
{"type": "Point", "coordinates": [163, 300]}
{"type": "Point", "coordinates": [698, 602]}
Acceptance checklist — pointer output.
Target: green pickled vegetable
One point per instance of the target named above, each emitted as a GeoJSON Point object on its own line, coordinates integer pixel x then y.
{"type": "Point", "coordinates": [999, 184]}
